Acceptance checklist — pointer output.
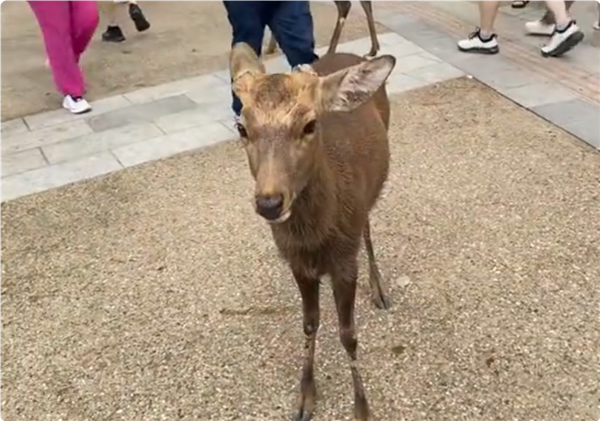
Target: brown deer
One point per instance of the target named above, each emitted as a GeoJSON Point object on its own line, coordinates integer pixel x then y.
{"type": "Point", "coordinates": [317, 148]}
{"type": "Point", "coordinates": [343, 8]}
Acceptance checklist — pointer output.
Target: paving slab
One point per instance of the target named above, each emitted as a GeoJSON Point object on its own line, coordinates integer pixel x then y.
{"type": "Point", "coordinates": [155, 292]}
{"type": "Point", "coordinates": [58, 133]}
{"type": "Point", "coordinates": [91, 144]}
{"type": "Point", "coordinates": [53, 176]}
{"type": "Point", "coordinates": [22, 161]}
{"type": "Point", "coordinates": [172, 144]}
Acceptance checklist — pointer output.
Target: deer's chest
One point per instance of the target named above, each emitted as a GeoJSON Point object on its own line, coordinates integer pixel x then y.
{"type": "Point", "coordinates": [312, 255]}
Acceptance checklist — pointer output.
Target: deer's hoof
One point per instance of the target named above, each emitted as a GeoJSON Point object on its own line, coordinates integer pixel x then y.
{"type": "Point", "coordinates": [306, 404]}
{"type": "Point", "coordinates": [381, 301]}
{"type": "Point", "coordinates": [302, 415]}
{"type": "Point", "coordinates": [372, 53]}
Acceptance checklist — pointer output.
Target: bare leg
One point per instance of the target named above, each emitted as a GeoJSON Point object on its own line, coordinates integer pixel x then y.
{"type": "Point", "coordinates": [488, 10]}
{"type": "Point", "coordinates": [559, 10]}
{"type": "Point", "coordinates": [309, 290]}
{"type": "Point", "coordinates": [548, 17]}
{"type": "Point", "coordinates": [378, 294]}
{"type": "Point", "coordinates": [111, 14]}
{"type": "Point", "coordinates": [343, 10]}
{"type": "Point", "coordinates": [368, 8]}
{"type": "Point", "coordinates": [344, 292]}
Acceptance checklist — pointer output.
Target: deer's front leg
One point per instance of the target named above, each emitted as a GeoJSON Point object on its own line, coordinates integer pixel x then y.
{"type": "Point", "coordinates": [344, 292]}
{"type": "Point", "coordinates": [309, 290]}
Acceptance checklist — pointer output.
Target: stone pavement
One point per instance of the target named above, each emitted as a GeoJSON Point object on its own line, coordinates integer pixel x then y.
{"type": "Point", "coordinates": [52, 149]}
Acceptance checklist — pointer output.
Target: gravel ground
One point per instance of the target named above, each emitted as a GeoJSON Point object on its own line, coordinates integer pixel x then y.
{"type": "Point", "coordinates": [155, 293]}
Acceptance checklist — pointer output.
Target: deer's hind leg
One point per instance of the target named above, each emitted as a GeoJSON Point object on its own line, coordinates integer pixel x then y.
{"type": "Point", "coordinates": [344, 292]}
{"type": "Point", "coordinates": [378, 291]}
{"type": "Point", "coordinates": [368, 8]}
{"type": "Point", "coordinates": [343, 8]}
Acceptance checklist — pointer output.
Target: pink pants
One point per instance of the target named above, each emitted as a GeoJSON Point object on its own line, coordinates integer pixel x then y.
{"type": "Point", "coordinates": [67, 27]}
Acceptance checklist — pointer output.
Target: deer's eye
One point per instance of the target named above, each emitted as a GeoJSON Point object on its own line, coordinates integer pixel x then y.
{"type": "Point", "coordinates": [241, 130]}
{"type": "Point", "coordinates": [310, 127]}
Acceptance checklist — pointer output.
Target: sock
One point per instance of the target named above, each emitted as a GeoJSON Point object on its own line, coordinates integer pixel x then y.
{"type": "Point", "coordinates": [561, 28]}
{"type": "Point", "coordinates": [485, 36]}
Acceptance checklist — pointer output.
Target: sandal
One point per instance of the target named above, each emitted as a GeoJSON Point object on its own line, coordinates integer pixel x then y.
{"type": "Point", "coordinates": [519, 4]}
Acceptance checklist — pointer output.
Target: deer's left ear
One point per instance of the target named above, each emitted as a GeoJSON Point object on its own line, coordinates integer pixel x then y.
{"type": "Point", "coordinates": [348, 88]}
{"type": "Point", "coordinates": [244, 66]}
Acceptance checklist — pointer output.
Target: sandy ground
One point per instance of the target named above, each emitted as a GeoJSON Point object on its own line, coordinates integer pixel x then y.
{"type": "Point", "coordinates": [186, 39]}
{"type": "Point", "coordinates": [156, 294]}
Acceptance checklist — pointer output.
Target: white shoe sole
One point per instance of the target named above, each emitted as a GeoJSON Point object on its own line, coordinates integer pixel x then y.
{"type": "Point", "coordinates": [77, 112]}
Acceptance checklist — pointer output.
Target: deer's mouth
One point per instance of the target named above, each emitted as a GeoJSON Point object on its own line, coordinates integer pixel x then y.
{"type": "Point", "coordinates": [285, 215]}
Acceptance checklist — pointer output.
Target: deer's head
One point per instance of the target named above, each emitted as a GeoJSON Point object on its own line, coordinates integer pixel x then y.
{"type": "Point", "coordinates": [279, 125]}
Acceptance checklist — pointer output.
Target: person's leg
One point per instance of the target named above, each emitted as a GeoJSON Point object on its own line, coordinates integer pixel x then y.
{"type": "Point", "coordinates": [54, 18]}
{"type": "Point", "coordinates": [544, 26]}
{"type": "Point", "coordinates": [548, 17]}
{"type": "Point", "coordinates": [559, 11]}
{"type": "Point", "coordinates": [84, 21]}
{"type": "Point", "coordinates": [483, 40]}
{"type": "Point", "coordinates": [566, 35]}
{"type": "Point", "coordinates": [248, 26]}
{"type": "Point", "coordinates": [596, 24]}
{"type": "Point", "coordinates": [292, 26]}
{"type": "Point", "coordinates": [137, 16]}
{"type": "Point", "coordinates": [113, 32]}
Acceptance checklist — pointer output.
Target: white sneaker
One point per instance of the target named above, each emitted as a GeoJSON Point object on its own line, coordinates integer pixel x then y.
{"type": "Point", "coordinates": [563, 41]}
{"type": "Point", "coordinates": [76, 105]}
{"type": "Point", "coordinates": [475, 44]}
{"type": "Point", "coordinates": [537, 27]}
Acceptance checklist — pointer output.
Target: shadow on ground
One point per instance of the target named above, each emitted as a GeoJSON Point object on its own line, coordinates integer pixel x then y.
{"type": "Point", "coordinates": [186, 39]}
{"type": "Point", "coordinates": [155, 293]}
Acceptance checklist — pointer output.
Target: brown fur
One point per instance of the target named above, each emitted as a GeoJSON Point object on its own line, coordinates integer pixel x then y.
{"type": "Point", "coordinates": [343, 8]}
{"type": "Point", "coordinates": [329, 179]}
{"type": "Point", "coordinates": [350, 167]}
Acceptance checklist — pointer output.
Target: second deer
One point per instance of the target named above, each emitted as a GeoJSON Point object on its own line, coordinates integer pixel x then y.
{"type": "Point", "coordinates": [343, 8]}
{"type": "Point", "coordinates": [317, 147]}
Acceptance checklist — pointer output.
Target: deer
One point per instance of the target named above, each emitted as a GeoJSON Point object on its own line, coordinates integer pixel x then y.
{"type": "Point", "coordinates": [316, 141]}
{"type": "Point", "coordinates": [343, 8]}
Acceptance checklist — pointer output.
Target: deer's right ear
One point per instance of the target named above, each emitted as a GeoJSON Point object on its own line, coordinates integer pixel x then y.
{"type": "Point", "coordinates": [348, 88]}
{"type": "Point", "coordinates": [244, 65]}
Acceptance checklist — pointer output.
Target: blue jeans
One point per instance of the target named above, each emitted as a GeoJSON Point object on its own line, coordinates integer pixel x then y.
{"type": "Point", "coordinates": [290, 22]}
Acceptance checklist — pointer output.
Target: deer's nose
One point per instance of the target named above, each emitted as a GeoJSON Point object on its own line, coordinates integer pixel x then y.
{"type": "Point", "coordinates": [269, 206]}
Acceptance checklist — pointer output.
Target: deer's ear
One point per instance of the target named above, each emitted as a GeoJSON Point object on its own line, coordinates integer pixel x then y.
{"type": "Point", "coordinates": [244, 66]}
{"type": "Point", "coordinates": [348, 88]}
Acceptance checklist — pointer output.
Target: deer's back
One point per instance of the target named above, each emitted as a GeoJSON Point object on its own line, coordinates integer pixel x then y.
{"type": "Point", "coordinates": [356, 142]}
